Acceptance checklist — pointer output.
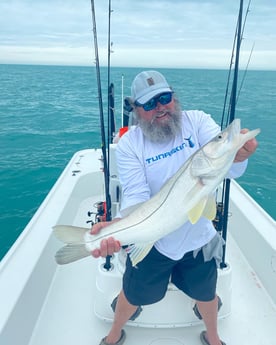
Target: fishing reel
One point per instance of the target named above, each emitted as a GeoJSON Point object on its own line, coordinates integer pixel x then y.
{"type": "Point", "coordinates": [100, 214]}
{"type": "Point", "coordinates": [218, 221]}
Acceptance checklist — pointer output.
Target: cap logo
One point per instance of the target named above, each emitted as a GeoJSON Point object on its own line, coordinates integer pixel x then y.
{"type": "Point", "coordinates": [150, 81]}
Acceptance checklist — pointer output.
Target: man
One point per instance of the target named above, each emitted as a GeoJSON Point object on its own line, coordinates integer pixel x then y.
{"type": "Point", "coordinates": [147, 156]}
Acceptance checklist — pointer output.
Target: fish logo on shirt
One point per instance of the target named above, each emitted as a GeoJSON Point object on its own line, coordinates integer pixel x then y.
{"type": "Point", "coordinates": [190, 142]}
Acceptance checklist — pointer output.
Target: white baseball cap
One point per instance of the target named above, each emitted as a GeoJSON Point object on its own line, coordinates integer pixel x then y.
{"type": "Point", "coordinates": [147, 85]}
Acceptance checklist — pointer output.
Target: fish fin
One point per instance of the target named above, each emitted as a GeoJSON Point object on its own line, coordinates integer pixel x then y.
{"type": "Point", "coordinates": [196, 212]}
{"type": "Point", "coordinates": [137, 252]}
{"type": "Point", "coordinates": [71, 253]}
{"type": "Point", "coordinates": [210, 209]}
{"type": "Point", "coordinates": [69, 234]}
{"type": "Point", "coordinates": [206, 207]}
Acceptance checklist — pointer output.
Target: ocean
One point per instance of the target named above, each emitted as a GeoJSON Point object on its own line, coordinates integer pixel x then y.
{"type": "Point", "coordinates": [49, 112]}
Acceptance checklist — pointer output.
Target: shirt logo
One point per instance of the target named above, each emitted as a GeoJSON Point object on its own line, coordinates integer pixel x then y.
{"type": "Point", "coordinates": [187, 142]}
{"type": "Point", "coordinates": [150, 81]}
{"type": "Point", "coordinates": [190, 142]}
{"type": "Point", "coordinates": [166, 154]}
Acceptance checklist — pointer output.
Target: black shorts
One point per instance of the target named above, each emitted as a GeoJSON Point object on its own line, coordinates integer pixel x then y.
{"type": "Point", "coordinates": [147, 282]}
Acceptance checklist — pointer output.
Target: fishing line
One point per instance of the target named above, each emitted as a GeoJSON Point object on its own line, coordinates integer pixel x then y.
{"type": "Point", "coordinates": [245, 17]}
{"type": "Point", "coordinates": [248, 61]}
{"type": "Point", "coordinates": [239, 27]}
{"type": "Point", "coordinates": [228, 84]}
{"type": "Point", "coordinates": [245, 72]}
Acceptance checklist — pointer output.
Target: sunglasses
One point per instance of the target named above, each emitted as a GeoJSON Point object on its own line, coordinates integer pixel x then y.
{"type": "Point", "coordinates": [163, 99]}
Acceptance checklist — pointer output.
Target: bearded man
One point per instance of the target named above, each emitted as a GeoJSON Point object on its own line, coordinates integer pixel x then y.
{"type": "Point", "coordinates": [147, 156]}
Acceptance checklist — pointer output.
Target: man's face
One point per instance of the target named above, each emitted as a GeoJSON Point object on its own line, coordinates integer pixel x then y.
{"type": "Point", "coordinates": [162, 122]}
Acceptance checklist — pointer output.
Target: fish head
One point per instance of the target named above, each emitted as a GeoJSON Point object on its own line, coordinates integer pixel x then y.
{"type": "Point", "coordinates": [215, 158]}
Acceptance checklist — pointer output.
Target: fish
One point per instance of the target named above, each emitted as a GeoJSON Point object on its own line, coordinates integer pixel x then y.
{"type": "Point", "coordinates": [188, 195]}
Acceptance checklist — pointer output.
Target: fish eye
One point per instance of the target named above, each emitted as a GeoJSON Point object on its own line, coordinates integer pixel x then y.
{"type": "Point", "coordinates": [220, 136]}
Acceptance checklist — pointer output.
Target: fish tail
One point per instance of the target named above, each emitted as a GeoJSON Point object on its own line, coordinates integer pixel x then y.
{"type": "Point", "coordinates": [71, 253]}
{"type": "Point", "coordinates": [74, 237]}
{"type": "Point", "coordinates": [70, 234]}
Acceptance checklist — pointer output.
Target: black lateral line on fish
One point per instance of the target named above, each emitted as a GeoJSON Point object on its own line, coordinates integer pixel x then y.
{"type": "Point", "coordinates": [129, 227]}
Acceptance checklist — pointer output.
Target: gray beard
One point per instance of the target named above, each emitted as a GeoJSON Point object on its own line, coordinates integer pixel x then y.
{"type": "Point", "coordinates": [162, 132]}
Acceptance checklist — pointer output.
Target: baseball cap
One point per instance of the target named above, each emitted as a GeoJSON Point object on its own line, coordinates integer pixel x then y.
{"type": "Point", "coordinates": [147, 85]}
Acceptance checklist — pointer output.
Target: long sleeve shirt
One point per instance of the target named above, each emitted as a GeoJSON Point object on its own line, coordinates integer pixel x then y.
{"type": "Point", "coordinates": [145, 166]}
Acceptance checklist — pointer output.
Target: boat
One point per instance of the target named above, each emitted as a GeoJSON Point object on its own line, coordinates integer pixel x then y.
{"type": "Point", "coordinates": [44, 303]}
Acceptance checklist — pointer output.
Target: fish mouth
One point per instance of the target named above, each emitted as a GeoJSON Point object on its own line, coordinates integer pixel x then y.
{"type": "Point", "coordinates": [233, 129]}
{"type": "Point", "coordinates": [238, 138]}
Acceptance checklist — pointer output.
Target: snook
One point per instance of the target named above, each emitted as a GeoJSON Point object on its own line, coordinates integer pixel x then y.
{"type": "Point", "coordinates": [187, 196]}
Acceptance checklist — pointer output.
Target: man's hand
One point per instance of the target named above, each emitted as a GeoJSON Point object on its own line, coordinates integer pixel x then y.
{"type": "Point", "coordinates": [247, 150]}
{"type": "Point", "coordinates": [109, 245]}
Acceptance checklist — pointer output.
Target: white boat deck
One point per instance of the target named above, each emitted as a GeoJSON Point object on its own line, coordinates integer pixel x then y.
{"type": "Point", "coordinates": [45, 304]}
{"type": "Point", "coordinates": [68, 315]}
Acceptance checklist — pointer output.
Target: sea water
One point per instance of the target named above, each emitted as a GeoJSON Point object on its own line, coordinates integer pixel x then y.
{"type": "Point", "coordinates": [49, 112]}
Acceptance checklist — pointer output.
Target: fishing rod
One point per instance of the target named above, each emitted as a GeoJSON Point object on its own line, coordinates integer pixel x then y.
{"type": "Point", "coordinates": [236, 68]}
{"type": "Point", "coordinates": [103, 145]}
{"type": "Point", "coordinates": [110, 124]}
{"type": "Point", "coordinates": [230, 118]}
{"type": "Point", "coordinates": [110, 101]}
{"type": "Point", "coordinates": [225, 122]}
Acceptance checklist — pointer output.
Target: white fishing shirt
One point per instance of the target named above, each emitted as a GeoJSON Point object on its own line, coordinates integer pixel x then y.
{"type": "Point", "coordinates": [145, 166]}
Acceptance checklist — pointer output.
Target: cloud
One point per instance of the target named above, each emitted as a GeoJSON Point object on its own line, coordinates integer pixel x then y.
{"type": "Point", "coordinates": [144, 33]}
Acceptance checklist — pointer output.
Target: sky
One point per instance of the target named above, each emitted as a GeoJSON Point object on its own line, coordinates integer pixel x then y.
{"type": "Point", "coordinates": [144, 33]}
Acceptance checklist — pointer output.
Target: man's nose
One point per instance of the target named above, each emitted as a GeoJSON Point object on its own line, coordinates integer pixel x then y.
{"type": "Point", "coordinates": [160, 106]}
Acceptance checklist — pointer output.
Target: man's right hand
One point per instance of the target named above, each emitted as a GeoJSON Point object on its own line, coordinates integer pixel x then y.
{"type": "Point", "coordinates": [109, 245]}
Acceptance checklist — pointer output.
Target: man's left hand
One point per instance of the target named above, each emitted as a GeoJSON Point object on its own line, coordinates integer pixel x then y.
{"type": "Point", "coordinates": [247, 150]}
